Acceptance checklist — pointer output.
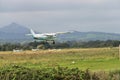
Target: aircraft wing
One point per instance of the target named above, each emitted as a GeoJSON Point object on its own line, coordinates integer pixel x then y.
{"type": "Point", "coordinates": [57, 33]}
{"type": "Point", "coordinates": [50, 36]}
{"type": "Point", "coordinates": [54, 34]}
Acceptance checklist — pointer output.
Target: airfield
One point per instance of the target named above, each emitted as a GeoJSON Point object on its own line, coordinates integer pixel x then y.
{"type": "Point", "coordinates": [94, 59]}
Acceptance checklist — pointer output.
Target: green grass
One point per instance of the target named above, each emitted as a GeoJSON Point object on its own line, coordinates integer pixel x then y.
{"type": "Point", "coordinates": [95, 59]}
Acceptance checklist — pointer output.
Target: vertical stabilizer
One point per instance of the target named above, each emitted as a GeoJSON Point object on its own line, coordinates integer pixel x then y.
{"type": "Point", "coordinates": [32, 32]}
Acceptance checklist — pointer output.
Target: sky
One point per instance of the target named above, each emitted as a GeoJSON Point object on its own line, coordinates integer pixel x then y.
{"type": "Point", "coordinates": [62, 15]}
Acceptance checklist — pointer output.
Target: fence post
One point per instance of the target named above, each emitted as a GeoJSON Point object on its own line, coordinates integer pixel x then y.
{"type": "Point", "coordinates": [119, 52]}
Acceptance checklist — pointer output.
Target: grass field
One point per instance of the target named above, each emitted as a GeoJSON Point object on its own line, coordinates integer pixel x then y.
{"type": "Point", "coordinates": [95, 59]}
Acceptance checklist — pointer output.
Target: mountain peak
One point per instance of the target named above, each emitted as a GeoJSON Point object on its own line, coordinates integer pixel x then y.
{"type": "Point", "coordinates": [13, 24]}
{"type": "Point", "coordinates": [14, 28]}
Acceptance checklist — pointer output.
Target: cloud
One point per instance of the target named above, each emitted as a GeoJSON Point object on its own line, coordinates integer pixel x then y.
{"type": "Point", "coordinates": [51, 1]}
{"type": "Point", "coordinates": [59, 15]}
{"type": "Point", "coordinates": [42, 5]}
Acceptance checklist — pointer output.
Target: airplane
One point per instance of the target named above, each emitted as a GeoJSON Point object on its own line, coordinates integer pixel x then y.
{"type": "Point", "coordinates": [45, 36]}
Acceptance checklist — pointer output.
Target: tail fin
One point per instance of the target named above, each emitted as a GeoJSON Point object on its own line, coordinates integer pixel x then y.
{"type": "Point", "coordinates": [32, 32]}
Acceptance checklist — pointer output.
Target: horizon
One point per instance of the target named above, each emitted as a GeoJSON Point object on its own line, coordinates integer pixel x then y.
{"type": "Point", "coordinates": [62, 15]}
{"type": "Point", "coordinates": [20, 25]}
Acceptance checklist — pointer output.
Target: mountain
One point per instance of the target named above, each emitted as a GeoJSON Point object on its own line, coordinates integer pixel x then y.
{"type": "Point", "coordinates": [14, 28]}
{"type": "Point", "coordinates": [16, 33]}
{"type": "Point", "coordinates": [87, 36]}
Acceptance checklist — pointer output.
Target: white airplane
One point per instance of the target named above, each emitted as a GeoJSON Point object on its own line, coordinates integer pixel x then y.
{"type": "Point", "coordinates": [45, 36]}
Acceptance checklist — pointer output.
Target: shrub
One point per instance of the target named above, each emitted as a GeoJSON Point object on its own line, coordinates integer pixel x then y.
{"type": "Point", "coordinates": [60, 73]}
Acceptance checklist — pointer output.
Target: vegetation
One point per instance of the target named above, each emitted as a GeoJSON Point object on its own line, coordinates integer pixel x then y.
{"type": "Point", "coordinates": [92, 58]}
{"type": "Point", "coordinates": [59, 45]}
{"type": "Point", "coordinates": [60, 73]}
{"type": "Point", "coordinates": [60, 64]}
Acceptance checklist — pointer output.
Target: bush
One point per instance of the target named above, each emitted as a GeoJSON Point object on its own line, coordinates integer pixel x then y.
{"type": "Point", "coordinates": [60, 73]}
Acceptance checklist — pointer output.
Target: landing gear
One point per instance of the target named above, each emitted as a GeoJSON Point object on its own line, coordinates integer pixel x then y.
{"type": "Point", "coordinates": [50, 42]}
{"type": "Point", "coordinates": [53, 42]}
{"type": "Point", "coordinates": [45, 42]}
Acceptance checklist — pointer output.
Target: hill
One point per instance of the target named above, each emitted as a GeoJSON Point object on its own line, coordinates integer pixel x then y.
{"type": "Point", "coordinates": [14, 33]}
{"type": "Point", "coordinates": [87, 36]}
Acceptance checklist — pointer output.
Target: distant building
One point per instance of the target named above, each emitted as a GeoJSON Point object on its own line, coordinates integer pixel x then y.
{"type": "Point", "coordinates": [17, 50]}
{"type": "Point", "coordinates": [35, 49]}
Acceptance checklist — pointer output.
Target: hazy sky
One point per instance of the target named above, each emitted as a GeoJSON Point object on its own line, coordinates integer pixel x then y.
{"type": "Point", "coordinates": [62, 15]}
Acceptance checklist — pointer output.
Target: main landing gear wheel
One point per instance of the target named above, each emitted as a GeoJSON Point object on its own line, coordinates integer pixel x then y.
{"type": "Point", "coordinates": [53, 42]}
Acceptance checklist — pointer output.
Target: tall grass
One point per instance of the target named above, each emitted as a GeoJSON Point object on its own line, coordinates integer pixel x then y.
{"type": "Point", "coordinates": [75, 64]}
{"type": "Point", "coordinates": [92, 58]}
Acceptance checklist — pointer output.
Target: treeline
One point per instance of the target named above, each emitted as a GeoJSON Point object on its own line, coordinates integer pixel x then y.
{"type": "Point", "coordinates": [67, 44]}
